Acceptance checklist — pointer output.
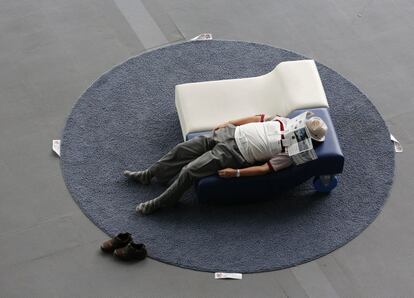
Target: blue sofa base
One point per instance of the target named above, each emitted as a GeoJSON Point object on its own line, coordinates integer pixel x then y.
{"type": "Point", "coordinates": [330, 162]}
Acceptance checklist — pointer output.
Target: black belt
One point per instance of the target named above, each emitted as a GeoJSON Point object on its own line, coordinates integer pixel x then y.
{"type": "Point", "coordinates": [283, 136]}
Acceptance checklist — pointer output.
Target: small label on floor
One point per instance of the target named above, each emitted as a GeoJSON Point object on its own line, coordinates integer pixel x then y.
{"type": "Point", "coordinates": [203, 36]}
{"type": "Point", "coordinates": [397, 145]}
{"type": "Point", "coordinates": [224, 275]}
{"type": "Point", "coordinates": [56, 147]}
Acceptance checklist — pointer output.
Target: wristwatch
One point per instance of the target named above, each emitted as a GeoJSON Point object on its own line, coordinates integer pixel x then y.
{"type": "Point", "coordinates": [238, 173]}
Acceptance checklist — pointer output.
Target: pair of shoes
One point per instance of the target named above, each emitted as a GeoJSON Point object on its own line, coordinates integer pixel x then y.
{"type": "Point", "coordinates": [133, 251]}
{"type": "Point", "coordinates": [123, 247]}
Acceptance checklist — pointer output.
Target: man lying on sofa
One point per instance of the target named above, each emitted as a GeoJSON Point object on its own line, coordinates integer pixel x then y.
{"type": "Point", "coordinates": [236, 148]}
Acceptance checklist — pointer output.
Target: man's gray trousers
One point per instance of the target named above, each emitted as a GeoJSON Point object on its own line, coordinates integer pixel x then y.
{"type": "Point", "coordinates": [196, 158]}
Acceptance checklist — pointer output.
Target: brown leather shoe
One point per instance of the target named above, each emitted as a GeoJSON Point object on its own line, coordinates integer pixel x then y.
{"type": "Point", "coordinates": [120, 240]}
{"type": "Point", "coordinates": [133, 251]}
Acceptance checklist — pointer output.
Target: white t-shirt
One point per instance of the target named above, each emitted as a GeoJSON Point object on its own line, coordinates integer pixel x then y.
{"type": "Point", "coordinates": [261, 141]}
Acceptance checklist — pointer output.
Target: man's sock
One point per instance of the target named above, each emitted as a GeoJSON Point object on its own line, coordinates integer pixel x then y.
{"type": "Point", "coordinates": [149, 206]}
{"type": "Point", "coordinates": [143, 177]}
{"type": "Point", "coordinates": [168, 198]}
{"type": "Point", "coordinates": [157, 203]}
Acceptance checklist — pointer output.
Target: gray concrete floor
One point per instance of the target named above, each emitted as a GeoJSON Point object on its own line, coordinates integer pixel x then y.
{"type": "Point", "coordinates": [52, 50]}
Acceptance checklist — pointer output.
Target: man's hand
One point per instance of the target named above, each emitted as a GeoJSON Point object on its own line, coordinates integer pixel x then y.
{"type": "Point", "coordinates": [227, 173]}
{"type": "Point", "coordinates": [221, 125]}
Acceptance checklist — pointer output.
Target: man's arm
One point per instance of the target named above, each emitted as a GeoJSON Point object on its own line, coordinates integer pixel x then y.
{"type": "Point", "coordinates": [244, 120]}
{"type": "Point", "coordinates": [277, 163]}
{"type": "Point", "coordinates": [250, 119]}
{"type": "Point", "coordinates": [250, 171]}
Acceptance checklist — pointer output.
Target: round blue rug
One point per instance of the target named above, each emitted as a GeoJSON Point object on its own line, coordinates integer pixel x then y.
{"type": "Point", "coordinates": [127, 120]}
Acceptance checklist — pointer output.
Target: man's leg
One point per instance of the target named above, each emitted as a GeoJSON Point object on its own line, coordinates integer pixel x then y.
{"type": "Point", "coordinates": [171, 163]}
{"type": "Point", "coordinates": [221, 156]}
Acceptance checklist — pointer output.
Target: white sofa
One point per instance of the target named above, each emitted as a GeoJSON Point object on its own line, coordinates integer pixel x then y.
{"type": "Point", "coordinates": [289, 86]}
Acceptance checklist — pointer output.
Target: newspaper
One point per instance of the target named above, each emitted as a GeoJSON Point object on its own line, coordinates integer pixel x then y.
{"type": "Point", "coordinates": [203, 36]}
{"type": "Point", "coordinates": [225, 275]}
{"type": "Point", "coordinates": [298, 140]}
{"type": "Point", "coordinates": [56, 146]}
{"type": "Point", "coordinates": [397, 144]}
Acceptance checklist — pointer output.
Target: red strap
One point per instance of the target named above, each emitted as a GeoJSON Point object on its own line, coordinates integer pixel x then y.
{"type": "Point", "coordinates": [261, 117]}
{"type": "Point", "coordinates": [281, 126]}
{"type": "Point", "coordinates": [270, 166]}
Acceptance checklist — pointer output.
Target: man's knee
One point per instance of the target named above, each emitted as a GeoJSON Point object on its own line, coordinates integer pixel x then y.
{"type": "Point", "coordinates": [191, 170]}
{"type": "Point", "coordinates": [187, 170]}
{"type": "Point", "coordinates": [187, 175]}
{"type": "Point", "coordinates": [198, 144]}
{"type": "Point", "coordinates": [205, 165]}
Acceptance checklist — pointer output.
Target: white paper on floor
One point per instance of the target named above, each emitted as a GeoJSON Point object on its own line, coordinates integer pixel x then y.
{"type": "Point", "coordinates": [56, 147]}
{"type": "Point", "coordinates": [397, 144]}
{"type": "Point", "coordinates": [203, 36]}
{"type": "Point", "coordinates": [224, 275]}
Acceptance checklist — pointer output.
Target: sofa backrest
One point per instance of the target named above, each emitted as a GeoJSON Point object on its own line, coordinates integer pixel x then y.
{"type": "Point", "coordinates": [289, 86]}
